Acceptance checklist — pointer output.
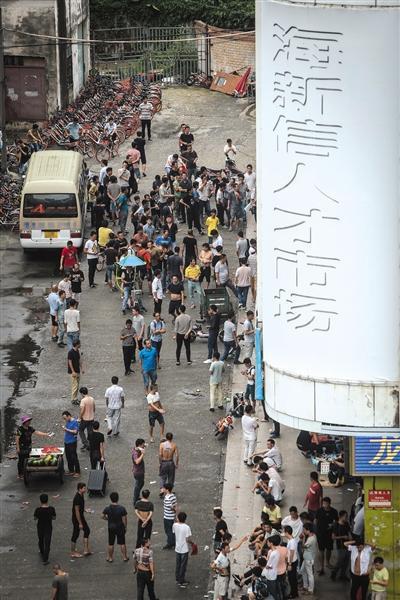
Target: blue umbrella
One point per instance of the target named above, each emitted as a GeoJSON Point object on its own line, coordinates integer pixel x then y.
{"type": "Point", "coordinates": [131, 261]}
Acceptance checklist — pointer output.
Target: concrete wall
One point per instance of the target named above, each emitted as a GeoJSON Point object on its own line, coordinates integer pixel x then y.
{"type": "Point", "coordinates": [33, 17]}
{"type": "Point", "coordinates": [41, 17]}
{"type": "Point", "coordinates": [230, 53]}
{"type": "Point", "coordinates": [78, 28]}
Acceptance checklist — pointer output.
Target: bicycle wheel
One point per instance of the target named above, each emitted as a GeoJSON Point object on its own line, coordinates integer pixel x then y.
{"type": "Point", "coordinates": [121, 135]}
{"type": "Point", "coordinates": [103, 153]}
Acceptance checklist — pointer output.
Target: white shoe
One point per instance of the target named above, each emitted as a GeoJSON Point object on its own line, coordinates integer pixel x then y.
{"type": "Point", "coordinates": [208, 361]}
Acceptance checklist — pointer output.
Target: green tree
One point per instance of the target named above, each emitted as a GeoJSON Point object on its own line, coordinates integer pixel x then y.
{"type": "Point", "coordinates": [229, 14]}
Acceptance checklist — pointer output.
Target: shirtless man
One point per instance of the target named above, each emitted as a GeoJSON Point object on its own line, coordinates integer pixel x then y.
{"type": "Point", "coordinates": [169, 461]}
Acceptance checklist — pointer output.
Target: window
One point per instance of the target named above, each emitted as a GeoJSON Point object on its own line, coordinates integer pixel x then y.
{"type": "Point", "coordinates": [50, 205]}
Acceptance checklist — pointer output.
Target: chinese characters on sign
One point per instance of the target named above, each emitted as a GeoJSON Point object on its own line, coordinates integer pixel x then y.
{"type": "Point", "coordinates": [307, 82]}
{"type": "Point", "coordinates": [379, 499]}
{"type": "Point", "coordinates": [377, 455]}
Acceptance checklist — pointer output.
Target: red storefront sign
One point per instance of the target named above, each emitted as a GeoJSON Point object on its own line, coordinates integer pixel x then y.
{"type": "Point", "coordinates": [379, 499]}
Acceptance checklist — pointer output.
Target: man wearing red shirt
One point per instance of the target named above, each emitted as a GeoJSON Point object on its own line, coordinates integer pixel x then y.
{"type": "Point", "coordinates": [313, 499]}
{"type": "Point", "coordinates": [69, 256]}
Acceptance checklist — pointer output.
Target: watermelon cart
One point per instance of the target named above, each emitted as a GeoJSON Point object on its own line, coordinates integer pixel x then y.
{"type": "Point", "coordinates": [45, 460]}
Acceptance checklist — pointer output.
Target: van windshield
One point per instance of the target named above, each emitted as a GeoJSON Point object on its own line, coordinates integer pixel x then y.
{"type": "Point", "coordinates": [50, 205]}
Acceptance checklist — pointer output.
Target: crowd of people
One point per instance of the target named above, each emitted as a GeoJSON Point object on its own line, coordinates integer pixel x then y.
{"type": "Point", "coordinates": [187, 198]}
{"type": "Point", "coordinates": [128, 224]}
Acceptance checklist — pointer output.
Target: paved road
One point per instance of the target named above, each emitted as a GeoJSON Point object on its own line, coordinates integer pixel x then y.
{"type": "Point", "coordinates": [35, 381]}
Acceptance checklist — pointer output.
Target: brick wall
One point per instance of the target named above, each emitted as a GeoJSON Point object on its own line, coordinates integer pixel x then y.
{"type": "Point", "coordinates": [229, 53]}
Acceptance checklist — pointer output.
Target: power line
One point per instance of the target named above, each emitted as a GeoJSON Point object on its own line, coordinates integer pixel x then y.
{"type": "Point", "coordinates": [142, 41]}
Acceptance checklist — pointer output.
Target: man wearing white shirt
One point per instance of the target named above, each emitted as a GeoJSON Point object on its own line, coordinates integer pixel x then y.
{"type": "Point", "coordinates": [293, 561]}
{"type": "Point", "coordinates": [230, 150]}
{"type": "Point", "coordinates": [250, 181]}
{"type": "Point", "coordinates": [182, 534]}
{"type": "Point", "coordinates": [91, 250]}
{"type": "Point", "coordinates": [294, 521]}
{"type": "Point", "coordinates": [271, 570]}
{"type": "Point", "coordinates": [360, 567]}
{"type": "Point", "coordinates": [115, 399]}
{"type": "Point", "coordinates": [249, 429]}
{"type": "Point", "coordinates": [157, 291]}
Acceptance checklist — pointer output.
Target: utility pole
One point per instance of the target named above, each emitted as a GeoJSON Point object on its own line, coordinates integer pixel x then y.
{"type": "Point", "coordinates": [3, 166]}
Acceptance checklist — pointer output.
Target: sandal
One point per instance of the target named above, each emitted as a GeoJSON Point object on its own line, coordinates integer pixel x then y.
{"type": "Point", "coordinates": [109, 560]}
{"type": "Point", "coordinates": [87, 553]}
{"type": "Point", "coordinates": [126, 559]}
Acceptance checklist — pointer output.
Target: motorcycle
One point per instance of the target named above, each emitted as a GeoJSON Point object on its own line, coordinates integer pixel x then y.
{"type": "Point", "coordinates": [199, 79]}
{"type": "Point", "coordinates": [198, 332]}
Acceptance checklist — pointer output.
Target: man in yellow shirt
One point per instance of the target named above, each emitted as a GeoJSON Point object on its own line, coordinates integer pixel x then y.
{"type": "Point", "coordinates": [192, 275]}
{"type": "Point", "coordinates": [104, 234]}
{"type": "Point", "coordinates": [212, 223]}
{"type": "Point", "coordinates": [379, 579]}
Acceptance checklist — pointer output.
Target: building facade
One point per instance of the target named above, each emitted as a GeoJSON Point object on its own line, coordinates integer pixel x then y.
{"type": "Point", "coordinates": [328, 82]}
{"type": "Point", "coordinates": [43, 74]}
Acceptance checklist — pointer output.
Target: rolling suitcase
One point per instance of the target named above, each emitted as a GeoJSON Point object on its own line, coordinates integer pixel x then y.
{"type": "Point", "coordinates": [97, 480]}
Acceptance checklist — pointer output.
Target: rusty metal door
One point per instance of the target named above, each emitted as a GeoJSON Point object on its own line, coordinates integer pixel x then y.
{"type": "Point", "coordinates": [25, 93]}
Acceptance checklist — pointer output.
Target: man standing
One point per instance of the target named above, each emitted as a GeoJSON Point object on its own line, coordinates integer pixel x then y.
{"type": "Point", "coordinates": [60, 584]}
{"type": "Point", "coordinates": [144, 511]}
{"type": "Point", "coordinates": [309, 553]}
{"type": "Point", "coordinates": [62, 306]}
{"type": "Point", "coordinates": [249, 394]}
{"type": "Point", "coordinates": [69, 256]}
{"type": "Point", "coordinates": [117, 520]}
{"type": "Point", "coordinates": [96, 445]}
{"type": "Point", "coordinates": [138, 326]}
{"type": "Point", "coordinates": [216, 370]}
{"type": "Point", "coordinates": [341, 534]}
{"type": "Point", "coordinates": [128, 345]}
{"type": "Point", "coordinates": [213, 331]}
{"type": "Point", "coordinates": [23, 442]}
{"type": "Point", "coordinates": [313, 500]}
{"type": "Point", "coordinates": [243, 282]}
{"type": "Point", "coordinates": [75, 369]}
{"type": "Point", "coordinates": [182, 533]}
{"type": "Point", "coordinates": [157, 330]}
{"type": "Point", "coordinates": [249, 334]}
{"type": "Point", "coordinates": [79, 523]}
{"type": "Point", "coordinates": [145, 116]}
{"type": "Point", "coordinates": [91, 250]}
{"type": "Point", "coordinates": [72, 324]}
{"type": "Point", "coordinates": [169, 460]}
{"type": "Point", "coordinates": [222, 274]}
{"type": "Point", "coordinates": [115, 400]}
{"type": "Point", "coordinates": [156, 411]}
{"type": "Point", "coordinates": [157, 291]}
{"type": "Point", "coordinates": [326, 516]}
{"type": "Point", "coordinates": [44, 515]}
{"type": "Point", "coordinates": [271, 570]}
{"type": "Point", "coordinates": [292, 560]}
{"type": "Point", "coordinates": [148, 362]}
{"type": "Point", "coordinates": [230, 339]}
{"type": "Point", "coordinates": [360, 567]}
{"type": "Point", "coordinates": [249, 429]}
{"type": "Point", "coordinates": [183, 327]}
{"type": "Point", "coordinates": [144, 569]}
{"type": "Point", "coordinates": [176, 291]}
{"type": "Point", "coordinates": [87, 409]}
{"type": "Point", "coordinates": [169, 509]}
{"type": "Point", "coordinates": [138, 468]}
{"type": "Point", "coordinates": [77, 277]}
{"type": "Point", "coordinates": [53, 302]}
{"type": "Point", "coordinates": [71, 429]}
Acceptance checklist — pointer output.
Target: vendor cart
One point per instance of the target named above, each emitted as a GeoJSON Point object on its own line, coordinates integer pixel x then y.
{"type": "Point", "coordinates": [45, 460]}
